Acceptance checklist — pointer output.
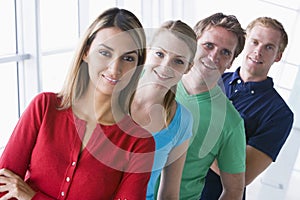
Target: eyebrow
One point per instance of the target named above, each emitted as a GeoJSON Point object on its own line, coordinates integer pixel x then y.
{"type": "Point", "coordinates": [268, 44]}
{"type": "Point", "coordinates": [129, 52]}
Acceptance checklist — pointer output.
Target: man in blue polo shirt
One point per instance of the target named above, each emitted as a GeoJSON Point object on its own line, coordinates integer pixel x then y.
{"type": "Point", "coordinates": [268, 119]}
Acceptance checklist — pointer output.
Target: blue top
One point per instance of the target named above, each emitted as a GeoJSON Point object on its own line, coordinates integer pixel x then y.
{"type": "Point", "coordinates": [178, 131]}
{"type": "Point", "coordinates": [268, 119]}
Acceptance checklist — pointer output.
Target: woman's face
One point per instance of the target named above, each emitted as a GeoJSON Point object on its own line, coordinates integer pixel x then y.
{"type": "Point", "coordinates": [167, 59]}
{"type": "Point", "coordinates": [112, 59]}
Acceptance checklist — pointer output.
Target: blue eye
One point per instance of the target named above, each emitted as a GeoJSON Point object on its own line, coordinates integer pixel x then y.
{"type": "Point", "coordinates": [269, 47]}
{"type": "Point", "coordinates": [129, 58]}
{"type": "Point", "coordinates": [208, 45]}
{"type": "Point", "coordinates": [254, 42]}
{"type": "Point", "coordinates": [105, 53]}
{"type": "Point", "coordinates": [179, 61]}
{"type": "Point", "coordinates": [226, 52]}
{"type": "Point", "coordinates": [159, 54]}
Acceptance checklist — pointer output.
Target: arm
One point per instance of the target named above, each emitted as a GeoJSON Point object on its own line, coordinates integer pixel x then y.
{"type": "Point", "coordinates": [233, 186]}
{"type": "Point", "coordinates": [171, 174]}
{"type": "Point", "coordinates": [17, 153]}
{"type": "Point", "coordinates": [14, 186]}
{"type": "Point", "coordinates": [256, 163]}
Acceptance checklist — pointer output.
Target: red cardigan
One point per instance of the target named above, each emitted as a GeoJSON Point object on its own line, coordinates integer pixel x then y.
{"type": "Point", "coordinates": [45, 146]}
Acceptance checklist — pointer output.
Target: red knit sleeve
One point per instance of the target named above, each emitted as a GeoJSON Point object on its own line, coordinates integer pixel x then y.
{"type": "Point", "coordinates": [17, 153]}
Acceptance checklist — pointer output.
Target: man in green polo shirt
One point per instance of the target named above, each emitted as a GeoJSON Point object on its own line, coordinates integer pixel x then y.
{"type": "Point", "coordinates": [218, 131]}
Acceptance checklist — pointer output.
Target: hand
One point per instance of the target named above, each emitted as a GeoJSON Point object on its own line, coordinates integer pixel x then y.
{"type": "Point", "coordinates": [14, 186]}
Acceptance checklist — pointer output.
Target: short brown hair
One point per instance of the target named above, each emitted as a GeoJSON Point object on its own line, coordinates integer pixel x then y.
{"type": "Point", "coordinates": [229, 22]}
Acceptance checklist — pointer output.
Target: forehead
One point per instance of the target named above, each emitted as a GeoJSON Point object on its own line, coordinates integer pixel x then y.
{"type": "Point", "coordinates": [171, 43]}
{"type": "Point", "coordinates": [115, 38]}
{"type": "Point", "coordinates": [220, 37]}
{"type": "Point", "coordinates": [265, 34]}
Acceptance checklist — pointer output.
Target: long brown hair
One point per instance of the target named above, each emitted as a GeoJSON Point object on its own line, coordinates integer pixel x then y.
{"type": "Point", "coordinates": [78, 78]}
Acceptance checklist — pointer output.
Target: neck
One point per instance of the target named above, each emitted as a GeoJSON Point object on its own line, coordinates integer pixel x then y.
{"type": "Point", "coordinates": [248, 77]}
{"type": "Point", "coordinates": [196, 85]}
{"type": "Point", "coordinates": [150, 93]}
{"type": "Point", "coordinates": [147, 108]}
{"type": "Point", "coordinates": [95, 107]}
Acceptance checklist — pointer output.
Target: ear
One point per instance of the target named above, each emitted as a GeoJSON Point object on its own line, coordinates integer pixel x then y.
{"type": "Point", "coordinates": [278, 57]}
{"type": "Point", "coordinates": [85, 55]}
{"type": "Point", "coordinates": [84, 58]}
{"type": "Point", "coordinates": [189, 67]}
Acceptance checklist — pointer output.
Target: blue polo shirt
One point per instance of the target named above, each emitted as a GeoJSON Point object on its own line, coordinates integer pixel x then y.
{"type": "Point", "coordinates": [268, 119]}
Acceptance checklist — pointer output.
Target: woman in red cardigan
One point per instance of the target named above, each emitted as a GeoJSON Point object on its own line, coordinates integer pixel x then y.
{"type": "Point", "coordinates": [81, 143]}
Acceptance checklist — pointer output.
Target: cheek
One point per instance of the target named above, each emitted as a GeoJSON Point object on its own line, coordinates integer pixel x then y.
{"type": "Point", "coordinates": [180, 70]}
{"type": "Point", "coordinates": [225, 64]}
{"type": "Point", "coordinates": [248, 48]}
{"type": "Point", "coordinates": [126, 79]}
{"type": "Point", "coordinates": [152, 61]}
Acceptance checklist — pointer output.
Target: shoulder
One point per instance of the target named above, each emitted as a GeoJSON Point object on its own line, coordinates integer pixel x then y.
{"type": "Point", "coordinates": [45, 97]}
{"type": "Point", "coordinates": [185, 113]}
{"type": "Point", "coordinates": [44, 100]}
{"type": "Point", "coordinates": [227, 76]}
{"type": "Point", "coordinates": [134, 132]}
{"type": "Point", "coordinates": [281, 102]}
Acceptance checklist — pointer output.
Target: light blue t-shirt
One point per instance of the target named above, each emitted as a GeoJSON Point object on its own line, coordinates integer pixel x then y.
{"type": "Point", "coordinates": [178, 131]}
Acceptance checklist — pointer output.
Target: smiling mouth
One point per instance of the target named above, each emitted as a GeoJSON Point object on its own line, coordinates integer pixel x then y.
{"type": "Point", "coordinates": [161, 76]}
{"type": "Point", "coordinates": [111, 80]}
{"type": "Point", "coordinates": [209, 66]}
{"type": "Point", "coordinates": [255, 61]}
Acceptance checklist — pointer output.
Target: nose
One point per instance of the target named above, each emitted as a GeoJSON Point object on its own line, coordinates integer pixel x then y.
{"type": "Point", "coordinates": [166, 64]}
{"type": "Point", "coordinates": [258, 50]}
{"type": "Point", "coordinates": [114, 67]}
{"type": "Point", "coordinates": [214, 56]}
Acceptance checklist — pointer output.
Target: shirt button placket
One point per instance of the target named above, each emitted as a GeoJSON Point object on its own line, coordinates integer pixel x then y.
{"type": "Point", "coordinates": [68, 179]}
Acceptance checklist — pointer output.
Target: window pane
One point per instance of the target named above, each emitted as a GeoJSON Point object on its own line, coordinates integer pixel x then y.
{"type": "Point", "coordinates": [9, 102]}
{"type": "Point", "coordinates": [292, 50]}
{"type": "Point", "coordinates": [59, 24]}
{"type": "Point", "coordinates": [96, 7]}
{"type": "Point", "coordinates": [134, 6]}
{"type": "Point", "coordinates": [7, 24]}
{"type": "Point", "coordinates": [54, 70]}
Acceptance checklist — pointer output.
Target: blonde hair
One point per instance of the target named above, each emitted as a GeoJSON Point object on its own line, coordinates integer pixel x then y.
{"type": "Point", "coordinates": [78, 78]}
{"type": "Point", "coordinates": [271, 23]}
{"type": "Point", "coordinates": [185, 33]}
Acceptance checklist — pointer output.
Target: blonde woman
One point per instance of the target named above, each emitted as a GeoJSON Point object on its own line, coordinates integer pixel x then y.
{"type": "Point", "coordinates": [154, 107]}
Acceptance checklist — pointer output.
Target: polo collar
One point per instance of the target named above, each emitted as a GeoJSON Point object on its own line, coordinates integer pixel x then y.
{"type": "Point", "coordinates": [253, 86]}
